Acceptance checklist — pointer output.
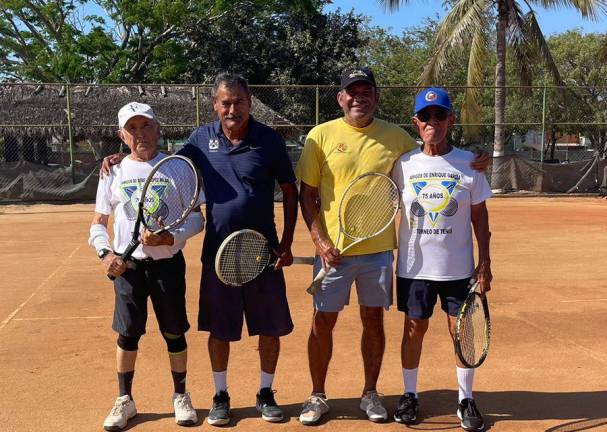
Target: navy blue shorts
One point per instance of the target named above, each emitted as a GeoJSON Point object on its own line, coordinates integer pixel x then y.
{"type": "Point", "coordinates": [263, 302]}
{"type": "Point", "coordinates": [417, 297]}
{"type": "Point", "coordinates": [164, 282]}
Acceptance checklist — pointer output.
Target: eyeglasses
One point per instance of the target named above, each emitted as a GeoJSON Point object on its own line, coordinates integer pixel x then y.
{"type": "Point", "coordinates": [440, 115]}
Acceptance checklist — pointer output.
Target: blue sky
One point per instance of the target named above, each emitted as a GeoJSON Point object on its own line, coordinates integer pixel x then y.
{"type": "Point", "coordinates": [413, 14]}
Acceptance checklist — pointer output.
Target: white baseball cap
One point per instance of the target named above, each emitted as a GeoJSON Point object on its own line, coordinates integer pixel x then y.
{"type": "Point", "coordinates": [133, 109]}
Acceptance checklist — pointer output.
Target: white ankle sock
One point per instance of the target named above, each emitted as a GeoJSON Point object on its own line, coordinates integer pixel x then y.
{"type": "Point", "coordinates": [266, 380]}
{"type": "Point", "coordinates": [410, 380]}
{"type": "Point", "coordinates": [221, 381]}
{"type": "Point", "coordinates": [465, 378]}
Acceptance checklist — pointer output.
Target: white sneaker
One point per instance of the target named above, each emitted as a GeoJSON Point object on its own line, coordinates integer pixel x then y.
{"type": "Point", "coordinates": [122, 411]}
{"type": "Point", "coordinates": [313, 409]}
{"type": "Point", "coordinates": [371, 404]}
{"type": "Point", "coordinates": [185, 414]}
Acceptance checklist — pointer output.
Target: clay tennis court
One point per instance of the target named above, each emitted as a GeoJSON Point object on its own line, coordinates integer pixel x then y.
{"type": "Point", "coordinates": [547, 369]}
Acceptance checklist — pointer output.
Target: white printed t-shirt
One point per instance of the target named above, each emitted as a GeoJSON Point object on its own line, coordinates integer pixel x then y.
{"type": "Point", "coordinates": [435, 233]}
{"type": "Point", "coordinates": [119, 193]}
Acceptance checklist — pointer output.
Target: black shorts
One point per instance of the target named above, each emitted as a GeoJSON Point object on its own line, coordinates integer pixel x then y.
{"type": "Point", "coordinates": [417, 297]}
{"type": "Point", "coordinates": [164, 282]}
{"type": "Point", "coordinates": [263, 302]}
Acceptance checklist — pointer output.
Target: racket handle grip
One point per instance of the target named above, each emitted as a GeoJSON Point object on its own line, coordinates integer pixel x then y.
{"type": "Point", "coordinates": [317, 282]}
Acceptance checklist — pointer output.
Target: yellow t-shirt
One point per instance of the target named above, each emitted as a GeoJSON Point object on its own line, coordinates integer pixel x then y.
{"type": "Point", "coordinates": [336, 153]}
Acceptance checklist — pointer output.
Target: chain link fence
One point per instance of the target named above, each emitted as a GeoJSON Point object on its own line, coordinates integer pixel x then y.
{"type": "Point", "coordinates": [53, 136]}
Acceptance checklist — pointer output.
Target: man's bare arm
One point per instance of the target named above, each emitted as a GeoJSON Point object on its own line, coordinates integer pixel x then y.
{"type": "Point", "coordinates": [289, 208]}
{"type": "Point", "coordinates": [480, 223]}
{"type": "Point", "coordinates": [308, 198]}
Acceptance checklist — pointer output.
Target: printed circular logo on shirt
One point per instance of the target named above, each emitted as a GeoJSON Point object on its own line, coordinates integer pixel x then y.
{"type": "Point", "coordinates": [342, 148]}
{"type": "Point", "coordinates": [434, 197]}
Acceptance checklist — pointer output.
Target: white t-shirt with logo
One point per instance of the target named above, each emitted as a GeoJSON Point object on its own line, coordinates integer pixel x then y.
{"type": "Point", "coordinates": [435, 233]}
{"type": "Point", "coordinates": [119, 193]}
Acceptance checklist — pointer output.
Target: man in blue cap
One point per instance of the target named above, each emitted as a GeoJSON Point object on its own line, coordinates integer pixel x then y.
{"type": "Point", "coordinates": [443, 199]}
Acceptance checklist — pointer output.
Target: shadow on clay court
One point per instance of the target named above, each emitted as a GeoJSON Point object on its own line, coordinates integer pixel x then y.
{"type": "Point", "coordinates": [582, 411]}
{"type": "Point", "coordinates": [581, 425]}
{"type": "Point", "coordinates": [152, 417]}
{"type": "Point", "coordinates": [521, 406]}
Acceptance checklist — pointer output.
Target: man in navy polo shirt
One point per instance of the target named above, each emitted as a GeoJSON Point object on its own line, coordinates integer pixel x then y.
{"type": "Point", "coordinates": [240, 160]}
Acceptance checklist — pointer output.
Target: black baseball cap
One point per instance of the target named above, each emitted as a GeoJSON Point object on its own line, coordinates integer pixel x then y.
{"type": "Point", "coordinates": [352, 75]}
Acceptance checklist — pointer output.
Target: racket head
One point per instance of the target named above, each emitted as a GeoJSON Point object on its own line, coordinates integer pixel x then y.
{"type": "Point", "coordinates": [170, 192]}
{"type": "Point", "coordinates": [242, 256]}
{"type": "Point", "coordinates": [368, 206]}
{"type": "Point", "coordinates": [473, 330]}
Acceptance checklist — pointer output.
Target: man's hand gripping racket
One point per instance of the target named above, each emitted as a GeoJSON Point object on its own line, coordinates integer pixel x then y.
{"type": "Point", "coordinates": [367, 208]}
{"type": "Point", "coordinates": [170, 192]}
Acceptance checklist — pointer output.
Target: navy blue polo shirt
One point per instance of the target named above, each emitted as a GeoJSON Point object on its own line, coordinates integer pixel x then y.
{"type": "Point", "coordinates": [239, 180]}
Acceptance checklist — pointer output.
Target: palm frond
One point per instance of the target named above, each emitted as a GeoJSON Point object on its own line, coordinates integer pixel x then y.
{"type": "Point", "coordinates": [479, 57]}
{"type": "Point", "coordinates": [535, 36]}
{"type": "Point", "coordinates": [391, 5]}
{"type": "Point", "coordinates": [455, 31]}
{"type": "Point", "coordinates": [591, 9]}
{"type": "Point", "coordinates": [522, 52]}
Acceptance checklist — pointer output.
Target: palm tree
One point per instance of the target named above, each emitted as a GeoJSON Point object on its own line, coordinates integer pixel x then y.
{"type": "Point", "coordinates": [470, 23]}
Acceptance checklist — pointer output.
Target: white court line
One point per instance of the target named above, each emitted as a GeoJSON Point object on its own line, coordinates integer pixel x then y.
{"type": "Point", "coordinates": [62, 318]}
{"type": "Point", "coordinates": [93, 317]}
{"type": "Point", "coordinates": [583, 300]}
{"type": "Point", "coordinates": [44, 282]}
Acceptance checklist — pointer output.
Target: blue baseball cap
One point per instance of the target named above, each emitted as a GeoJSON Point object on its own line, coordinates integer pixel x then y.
{"type": "Point", "coordinates": [433, 96]}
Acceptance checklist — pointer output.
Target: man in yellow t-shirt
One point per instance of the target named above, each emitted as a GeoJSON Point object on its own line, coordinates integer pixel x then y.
{"type": "Point", "coordinates": [335, 153]}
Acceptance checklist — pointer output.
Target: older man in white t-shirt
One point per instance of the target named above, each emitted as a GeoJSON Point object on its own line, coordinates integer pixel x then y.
{"type": "Point", "coordinates": [158, 271]}
{"type": "Point", "coordinates": [443, 199]}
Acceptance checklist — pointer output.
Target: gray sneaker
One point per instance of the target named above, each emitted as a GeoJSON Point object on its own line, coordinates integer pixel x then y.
{"type": "Point", "coordinates": [220, 411]}
{"type": "Point", "coordinates": [267, 406]}
{"type": "Point", "coordinates": [313, 409]}
{"type": "Point", "coordinates": [371, 404]}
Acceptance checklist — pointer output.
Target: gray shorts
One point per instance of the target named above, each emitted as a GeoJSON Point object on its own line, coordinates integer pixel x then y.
{"type": "Point", "coordinates": [372, 274]}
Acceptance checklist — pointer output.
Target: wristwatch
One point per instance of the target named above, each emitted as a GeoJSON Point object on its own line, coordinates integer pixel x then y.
{"type": "Point", "coordinates": [103, 253]}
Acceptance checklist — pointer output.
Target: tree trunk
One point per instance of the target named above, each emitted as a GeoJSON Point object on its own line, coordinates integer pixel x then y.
{"type": "Point", "coordinates": [500, 94]}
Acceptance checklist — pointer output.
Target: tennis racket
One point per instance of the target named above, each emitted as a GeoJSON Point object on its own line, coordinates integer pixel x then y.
{"type": "Point", "coordinates": [246, 254]}
{"type": "Point", "coordinates": [367, 208]}
{"type": "Point", "coordinates": [170, 192]}
{"type": "Point", "coordinates": [473, 329]}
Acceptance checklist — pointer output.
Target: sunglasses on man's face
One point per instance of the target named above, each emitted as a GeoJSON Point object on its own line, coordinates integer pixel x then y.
{"type": "Point", "coordinates": [440, 115]}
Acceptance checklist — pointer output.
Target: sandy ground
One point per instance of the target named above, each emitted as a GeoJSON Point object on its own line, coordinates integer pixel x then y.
{"type": "Point", "coordinates": [545, 371]}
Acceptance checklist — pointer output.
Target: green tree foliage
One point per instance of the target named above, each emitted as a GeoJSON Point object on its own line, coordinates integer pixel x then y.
{"type": "Point", "coordinates": [287, 47]}
{"type": "Point", "coordinates": [585, 73]}
{"type": "Point", "coordinates": [127, 41]}
{"type": "Point", "coordinates": [469, 26]}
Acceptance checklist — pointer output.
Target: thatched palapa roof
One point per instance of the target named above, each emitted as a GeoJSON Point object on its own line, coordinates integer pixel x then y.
{"type": "Point", "coordinates": [94, 108]}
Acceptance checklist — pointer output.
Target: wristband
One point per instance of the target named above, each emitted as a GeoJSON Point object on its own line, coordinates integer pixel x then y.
{"type": "Point", "coordinates": [99, 237]}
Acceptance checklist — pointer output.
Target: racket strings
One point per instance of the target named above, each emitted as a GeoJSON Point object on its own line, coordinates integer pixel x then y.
{"type": "Point", "coordinates": [368, 206]}
{"type": "Point", "coordinates": [243, 258]}
{"type": "Point", "coordinates": [474, 332]}
{"type": "Point", "coordinates": [170, 194]}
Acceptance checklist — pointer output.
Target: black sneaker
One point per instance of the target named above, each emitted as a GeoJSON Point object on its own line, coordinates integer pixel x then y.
{"type": "Point", "coordinates": [470, 416]}
{"type": "Point", "coordinates": [266, 405]}
{"type": "Point", "coordinates": [406, 412]}
{"type": "Point", "coordinates": [220, 412]}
